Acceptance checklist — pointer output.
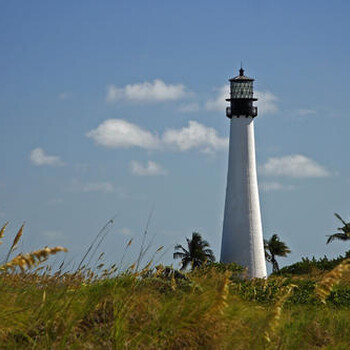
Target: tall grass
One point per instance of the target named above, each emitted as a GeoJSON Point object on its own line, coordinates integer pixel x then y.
{"type": "Point", "coordinates": [155, 309]}
{"type": "Point", "coordinates": [146, 307]}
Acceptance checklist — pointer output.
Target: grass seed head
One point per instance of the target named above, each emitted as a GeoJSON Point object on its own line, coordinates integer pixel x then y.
{"type": "Point", "coordinates": [275, 315]}
{"type": "Point", "coordinates": [332, 278]}
{"type": "Point", "coordinates": [17, 238]}
{"type": "Point", "coordinates": [29, 260]}
{"type": "Point", "coordinates": [2, 231]}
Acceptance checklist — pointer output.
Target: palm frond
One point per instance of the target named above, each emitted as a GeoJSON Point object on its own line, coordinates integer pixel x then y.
{"type": "Point", "coordinates": [177, 255]}
{"type": "Point", "coordinates": [196, 254]}
{"type": "Point", "coordinates": [185, 262]}
{"type": "Point", "coordinates": [341, 236]}
{"type": "Point", "coordinates": [340, 218]}
{"type": "Point", "coordinates": [180, 247]}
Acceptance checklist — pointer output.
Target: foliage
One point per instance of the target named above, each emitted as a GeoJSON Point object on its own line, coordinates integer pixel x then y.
{"type": "Point", "coordinates": [197, 253]}
{"type": "Point", "coordinates": [274, 247]}
{"type": "Point", "coordinates": [153, 309]}
{"type": "Point", "coordinates": [331, 279]}
{"type": "Point", "coordinates": [235, 269]}
{"type": "Point", "coordinates": [28, 260]}
{"type": "Point", "coordinates": [344, 235]}
{"type": "Point", "coordinates": [340, 296]}
{"type": "Point", "coordinates": [307, 266]}
{"type": "Point", "coordinates": [212, 307]}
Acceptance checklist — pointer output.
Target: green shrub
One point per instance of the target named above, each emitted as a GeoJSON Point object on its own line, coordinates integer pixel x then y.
{"type": "Point", "coordinates": [307, 266]}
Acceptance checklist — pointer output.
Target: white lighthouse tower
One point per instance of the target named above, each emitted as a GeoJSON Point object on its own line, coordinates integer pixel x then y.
{"type": "Point", "coordinates": [242, 238]}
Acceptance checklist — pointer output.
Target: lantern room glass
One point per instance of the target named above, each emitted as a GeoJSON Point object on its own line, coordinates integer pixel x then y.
{"type": "Point", "coordinates": [242, 89]}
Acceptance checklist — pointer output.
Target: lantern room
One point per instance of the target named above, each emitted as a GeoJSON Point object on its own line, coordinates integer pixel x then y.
{"type": "Point", "coordinates": [241, 97]}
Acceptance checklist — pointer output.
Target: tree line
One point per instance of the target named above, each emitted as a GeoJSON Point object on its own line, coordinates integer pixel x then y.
{"type": "Point", "coordinates": [198, 252]}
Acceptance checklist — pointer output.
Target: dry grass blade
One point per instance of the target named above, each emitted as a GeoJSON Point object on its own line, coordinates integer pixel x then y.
{"type": "Point", "coordinates": [2, 231]}
{"type": "Point", "coordinates": [17, 238]}
{"type": "Point", "coordinates": [43, 299]}
{"type": "Point", "coordinates": [223, 291]}
{"type": "Point", "coordinates": [132, 267]}
{"type": "Point", "coordinates": [15, 242]}
{"type": "Point", "coordinates": [332, 278]}
{"type": "Point", "coordinates": [143, 250]}
{"type": "Point", "coordinates": [276, 312]}
{"type": "Point", "coordinates": [100, 236]}
{"type": "Point", "coordinates": [146, 268]}
{"type": "Point", "coordinates": [24, 261]}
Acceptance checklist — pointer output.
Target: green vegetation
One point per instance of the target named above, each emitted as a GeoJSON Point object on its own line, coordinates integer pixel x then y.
{"type": "Point", "coordinates": [213, 306]}
{"type": "Point", "coordinates": [197, 253]}
{"type": "Point", "coordinates": [313, 266]}
{"type": "Point", "coordinates": [344, 234]}
{"type": "Point", "coordinates": [208, 308]}
{"type": "Point", "coordinates": [274, 247]}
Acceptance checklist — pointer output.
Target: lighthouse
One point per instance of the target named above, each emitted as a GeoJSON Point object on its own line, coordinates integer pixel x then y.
{"type": "Point", "coordinates": [242, 237]}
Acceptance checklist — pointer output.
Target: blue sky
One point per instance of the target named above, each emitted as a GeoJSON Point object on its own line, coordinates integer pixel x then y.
{"type": "Point", "coordinates": [117, 107]}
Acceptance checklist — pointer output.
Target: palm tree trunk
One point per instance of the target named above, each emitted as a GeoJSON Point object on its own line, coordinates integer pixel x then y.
{"type": "Point", "coordinates": [275, 267]}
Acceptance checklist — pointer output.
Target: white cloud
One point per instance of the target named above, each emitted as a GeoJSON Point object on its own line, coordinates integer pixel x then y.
{"type": "Point", "coordinates": [156, 91]}
{"type": "Point", "coordinates": [305, 111]}
{"type": "Point", "coordinates": [97, 187]}
{"type": "Point", "coordinates": [267, 101]}
{"type": "Point", "coordinates": [54, 235]}
{"type": "Point", "coordinates": [195, 135]}
{"type": "Point", "coordinates": [38, 157]}
{"type": "Point", "coordinates": [64, 95]}
{"type": "Point", "coordinates": [218, 103]}
{"type": "Point", "coordinates": [189, 108]}
{"type": "Point", "coordinates": [150, 169]}
{"type": "Point", "coordinates": [125, 231]}
{"type": "Point", "coordinates": [297, 166]}
{"type": "Point", "coordinates": [118, 133]}
{"type": "Point", "coordinates": [275, 186]}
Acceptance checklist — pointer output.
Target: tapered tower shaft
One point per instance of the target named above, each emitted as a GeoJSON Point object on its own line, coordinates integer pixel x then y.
{"type": "Point", "coordinates": [242, 240]}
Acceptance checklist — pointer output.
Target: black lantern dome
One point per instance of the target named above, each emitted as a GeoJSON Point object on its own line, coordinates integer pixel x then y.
{"type": "Point", "coordinates": [241, 97]}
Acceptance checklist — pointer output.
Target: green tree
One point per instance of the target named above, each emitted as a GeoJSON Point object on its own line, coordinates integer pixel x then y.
{"type": "Point", "coordinates": [274, 247]}
{"type": "Point", "coordinates": [344, 235]}
{"type": "Point", "coordinates": [197, 253]}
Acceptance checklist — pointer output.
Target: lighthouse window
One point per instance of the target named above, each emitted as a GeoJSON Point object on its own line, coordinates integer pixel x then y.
{"type": "Point", "coordinates": [242, 90]}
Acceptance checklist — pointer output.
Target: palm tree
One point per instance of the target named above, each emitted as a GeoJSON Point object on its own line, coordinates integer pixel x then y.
{"type": "Point", "coordinates": [344, 235]}
{"type": "Point", "coordinates": [274, 247]}
{"type": "Point", "coordinates": [197, 253]}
